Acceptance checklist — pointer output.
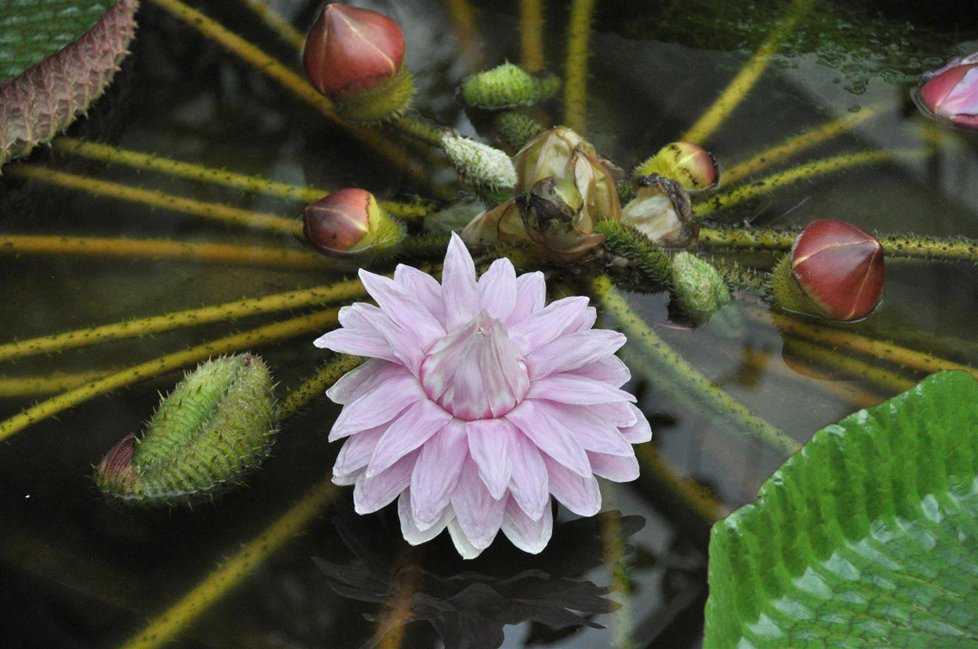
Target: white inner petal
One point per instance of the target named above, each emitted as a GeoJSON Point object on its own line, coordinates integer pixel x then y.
{"type": "Point", "coordinates": [476, 372]}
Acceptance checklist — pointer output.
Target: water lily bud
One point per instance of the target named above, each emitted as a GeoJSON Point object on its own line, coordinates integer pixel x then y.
{"type": "Point", "coordinates": [484, 167]}
{"type": "Point", "coordinates": [684, 162]}
{"type": "Point", "coordinates": [697, 286]}
{"type": "Point", "coordinates": [354, 57]}
{"type": "Point", "coordinates": [507, 86]}
{"type": "Point", "coordinates": [218, 423]}
{"type": "Point", "coordinates": [951, 93]}
{"type": "Point", "coordinates": [835, 271]}
{"type": "Point", "coordinates": [661, 210]}
{"type": "Point", "coordinates": [349, 221]}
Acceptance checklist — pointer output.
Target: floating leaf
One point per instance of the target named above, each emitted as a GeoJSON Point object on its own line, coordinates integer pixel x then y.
{"type": "Point", "coordinates": [868, 537]}
{"type": "Point", "coordinates": [56, 58]}
{"type": "Point", "coordinates": [215, 425]}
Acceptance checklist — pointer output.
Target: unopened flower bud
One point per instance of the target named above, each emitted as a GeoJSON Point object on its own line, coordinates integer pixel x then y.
{"type": "Point", "coordinates": [507, 86]}
{"type": "Point", "coordinates": [698, 287]}
{"type": "Point", "coordinates": [661, 210]}
{"type": "Point", "coordinates": [484, 167]}
{"type": "Point", "coordinates": [354, 56]}
{"type": "Point", "coordinates": [951, 93]}
{"type": "Point", "coordinates": [349, 221]}
{"type": "Point", "coordinates": [835, 271]}
{"type": "Point", "coordinates": [686, 163]}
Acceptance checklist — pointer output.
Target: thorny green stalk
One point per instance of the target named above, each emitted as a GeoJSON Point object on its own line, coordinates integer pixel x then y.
{"type": "Point", "coordinates": [575, 82]}
{"type": "Point", "coordinates": [317, 384]}
{"type": "Point", "coordinates": [275, 22]}
{"type": "Point", "coordinates": [614, 557]}
{"type": "Point", "coordinates": [531, 35]}
{"type": "Point", "coordinates": [683, 374]}
{"type": "Point", "coordinates": [245, 340]}
{"type": "Point", "coordinates": [823, 356]}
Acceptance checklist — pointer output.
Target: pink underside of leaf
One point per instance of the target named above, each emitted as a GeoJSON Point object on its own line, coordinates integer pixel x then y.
{"type": "Point", "coordinates": [48, 96]}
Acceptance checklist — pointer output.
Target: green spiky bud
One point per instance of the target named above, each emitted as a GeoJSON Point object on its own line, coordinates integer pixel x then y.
{"type": "Point", "coordinates": [516, 128]}
{"type": "Point", "coordinates": [698, 287]}
{"type": "Point", "coordinates": [507, 86]}
{"type": "Point", "coordinates": [216, 424]}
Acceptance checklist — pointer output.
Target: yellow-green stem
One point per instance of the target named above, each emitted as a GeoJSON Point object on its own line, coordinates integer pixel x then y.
{"type": "Point", "coordinates": [245, 340]}
{"type": "Point", "coordinates": [794, 146]}
{"type": "Point", "coordinates": [531, 35]}
{"type": "Point", "coordinates": [213, 176]}
{"type": "Point", "coordinates": [317, 384]}
{"type": "Point", "coordinates": [156, 198]}
{"type": "Point", "coordinates": [168, 625]}
{"type": "Point", "coordinates": [682, 372]}
{"type": "Point", "coordinates": [23, 386]}
{"type": "Point", "coordinates": [807, 171]}
{"type": "Point", "coordinates": [129, 249]}
{"type": "Point", "coordinates": [275, 22]}
{"type": "Point", "coordinates": [698, 498]}
{"type": "Point", "coordinates": [229, 311]}
{"type": "Point", "coordinates": [854, 367]}
{"type": "Point", "coordinates": [613, 546]}
{"type": "Point", "coordinates": [742, 84]}
{"type": "Point", "coordinates": [462, 16]}
{"type": "Point", "coordinates": [575, 83]}
{"type": "Point", "coordinates": [274, 69]}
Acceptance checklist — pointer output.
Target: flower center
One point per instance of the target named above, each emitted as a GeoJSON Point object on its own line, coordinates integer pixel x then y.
{"type": "Point", "coordinates": [475, 372]}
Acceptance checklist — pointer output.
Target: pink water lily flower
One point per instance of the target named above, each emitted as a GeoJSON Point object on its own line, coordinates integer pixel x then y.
{"type": "Point", "coordinates": [478, 403]}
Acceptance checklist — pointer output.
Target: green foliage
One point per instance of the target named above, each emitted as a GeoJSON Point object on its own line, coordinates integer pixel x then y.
{"type": "Point", "coordinates": [32, 30]}
{"type": "Point", "coordinates": [865, 538]}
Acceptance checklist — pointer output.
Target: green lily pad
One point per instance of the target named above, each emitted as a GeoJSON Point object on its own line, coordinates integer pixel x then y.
{"type": "Point", "coordinates": [867, 537]}
{"type": "Point", "coordinates": [56, 58]}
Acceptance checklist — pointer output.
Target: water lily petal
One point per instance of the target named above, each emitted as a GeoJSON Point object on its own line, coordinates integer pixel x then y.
{"type": "Point", "coordinates": [436, 473]}
{"type": "Point", "coordinates": [490, 442]}
{"type": "Point", "coordinates": [541, 327]}
{"type": "Point", "coordinates": [524, 532]}
{"type": "Point", "coordinates": [577, 493]}
{"type": "Point", "coordinates": [371, 494]}
{"type": "Point", "coordinates": [618, 468]}
{"type": "Point", "coordinates": [403, 307]}
{"type": "Point", "coordinates": [478, 514]}
{"type": "Point", "coordinates": [529, 483]}
{"type": "Point", "coordinates": [412, 428]}
{"type": "Point", "coordinates": [410, 530]}
{"type": "Point", "coordinates": [458, 285]}
{"type": "Point", "coordinates": [573, 351]}
{"type": "Point", "coordinates": [497, 289]}
{"type": "Point", "coordinates": [569, 388]}
{"type": "Point", "coordinates": [374, 408]}
{"type": "Point", "coordinates": [531, 296]}
{"type": "Point", "coordinates": [550, 435]}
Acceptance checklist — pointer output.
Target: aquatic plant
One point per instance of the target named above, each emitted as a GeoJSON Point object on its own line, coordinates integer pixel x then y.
{"type": "Point", "coordinates": [792, 145]}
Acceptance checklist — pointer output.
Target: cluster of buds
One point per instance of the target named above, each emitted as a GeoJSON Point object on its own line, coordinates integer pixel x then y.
{"type": "Point", "coordinates": [355, 57]}
{"type": "Point", "coordinates": [563, 190]}
{"type": "Point", "coordinates": [349, 222]}
{"type": "Point", "coordinates": [834, 271]}
{"type": "Point", "coordinates": [951, 93]}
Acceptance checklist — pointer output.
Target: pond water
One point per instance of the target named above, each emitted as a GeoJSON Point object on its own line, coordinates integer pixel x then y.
{"type": "Point", "coordinates": [305, 571]}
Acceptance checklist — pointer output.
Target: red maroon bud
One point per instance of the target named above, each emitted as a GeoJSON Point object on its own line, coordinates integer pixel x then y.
{"type": "Point", "coordinates": [349, 221]}
{"type": "Point", "coordinates": [839, 267]}
{"type": "Point", "coordinates": [350, 50]}
{"type": "Point", "coordinates": [951, 93]}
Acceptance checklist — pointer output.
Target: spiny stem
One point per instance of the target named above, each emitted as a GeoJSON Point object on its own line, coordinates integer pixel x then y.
{"type": "Point", "coordinates": [649, 259]}
{"type": "Point", "coordinates": [827, 357]}
{"type": "Point", "coordinates": [128, 249]}
{"type": "Point", "coordinates": [741, 277]}
{"type": "Point", "coordinates": [795, 145]}
{"type": "Point", "coordinates": [420, 129]}
{"type": "Point", "coordinates": [22, 386]}
{"type": "Point", "coordinates": [173, 621]}
{"type": "Point", "coordinates": [211, 175]}
{"type": "Point", "coordinates": [854, 342]}
{"type": "Point", "coordinates": [698, 498]}
{"type": "Point", "coordinates": [275, 22]}
{"type": "Point", "coordinates": [684, 374]}
{"type": "Point", "coordinates": [807, 171]}
{"type": "Point", "coordinates": [613, 546]}
{"type": "Point", "coordinates": [245, 340]}
{"type": "Point", "coordinates": [894, 245]}
{"type": "Point", "coordinates": [156, 198]}
{"type": "Point", "coordinates": [575, 83]}
{"type": "Point", "coordinates": [462, 17]}
{"type": "Point", "coordinates": [317, 384]}
{"type": "Point", "coordinates": [228, 311]}
{"type": "Point", "coordinates": [742, 84]}
{"type": "Point", "coordinates": [531, 35]}
{"type": "Point", "coordinates": [273, 68]}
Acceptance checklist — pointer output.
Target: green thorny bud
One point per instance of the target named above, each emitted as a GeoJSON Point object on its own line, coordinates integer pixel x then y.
{"type": "Point", "coordinates": [507, 86]}
{"type": "Point", "coordinates": [516, 128]}
{"type": "Point", "coordinates": [218, 423]}
{"type": "Point", "coordinates": [698, 287]}
{"type": "Point", "coordinates": [485, 168]}
{"type": "Point", "coordinates": [560, 159]}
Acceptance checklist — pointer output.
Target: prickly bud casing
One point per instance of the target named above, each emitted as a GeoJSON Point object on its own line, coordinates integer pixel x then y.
{"type": "Point", "coordinates": [348, 222]}
{"type": "Point", "coordinates": [661, 210]}
{"type": "Point", "coordinates": [355, 56]}
{"type": "Point", "coordinates": [951, 93]}
{"type": "Point", "coordinates": [686, 163]}
{"type": "Point", "coordinates": [698, 287]}
{"type": "Point", "coordinates": [507, 86]}
{"type": "Point", "coordinates": [835, 271]}
{"type": "Point", "coordinates": [218, 423]}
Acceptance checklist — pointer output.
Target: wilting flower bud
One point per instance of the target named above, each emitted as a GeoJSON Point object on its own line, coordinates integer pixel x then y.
{"type": "Point", "coordinates": [698, 287]}
{"type": "Point", "coordinates": [349, 221]}
{"type": "Point", "coordinates": [951, 93]}
{"type": "Point", "coordinates": [552, 215]}
{"type": "Point", "coordinates": [354, 57]}
{"type": "Point", "coordinates": [566, 159]}
{"type": "Point", "coordinates": [688, 164]}
{"type": "Point", "coordinates": [661, 211]}
{"type": "Point", "coordinates": [835, 271]}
